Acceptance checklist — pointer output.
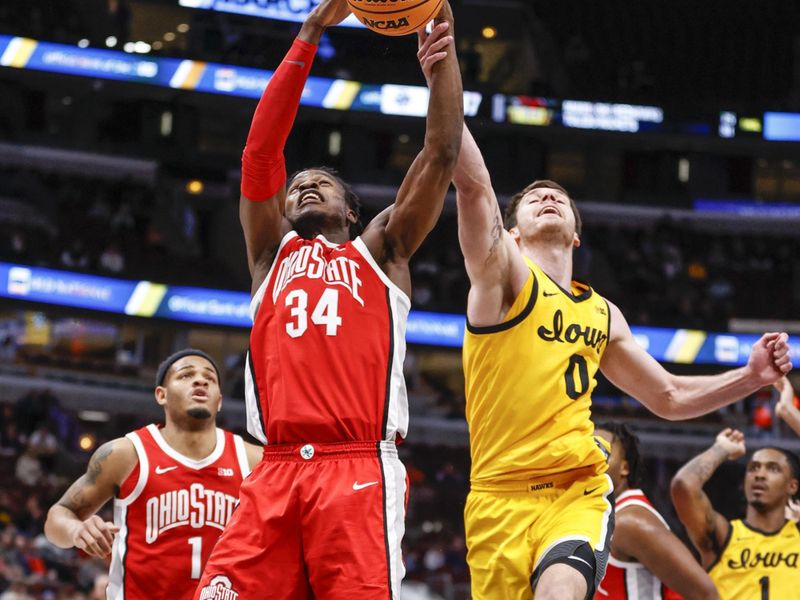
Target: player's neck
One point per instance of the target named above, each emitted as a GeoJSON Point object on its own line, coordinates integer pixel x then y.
{"type": "Point", "coordinates": [769, 521]}
{"type": "Point", "coordinates": [196, 445]}
{"type": "Point", "coordinates": [556, 261]}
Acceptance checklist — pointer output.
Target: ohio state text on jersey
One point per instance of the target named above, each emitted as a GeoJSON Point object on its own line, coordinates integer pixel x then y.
{"type": "Point", "coordinates": [170, 511]}
{"type": "Point", "coordinates": [327, 347]}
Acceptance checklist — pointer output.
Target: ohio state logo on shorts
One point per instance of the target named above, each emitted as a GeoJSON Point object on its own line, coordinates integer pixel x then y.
{"type": "Point", "coordinates": [219, 588]}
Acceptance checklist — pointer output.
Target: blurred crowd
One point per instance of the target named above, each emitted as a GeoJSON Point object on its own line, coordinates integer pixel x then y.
{"type": "Point", "coordinates": [38, 455]}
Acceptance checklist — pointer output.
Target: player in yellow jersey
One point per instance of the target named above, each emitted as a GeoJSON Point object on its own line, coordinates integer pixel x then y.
{"type": "Point", "coordinates": [539, 514]}
{"type": "Point", "coordinates": [755, 558]}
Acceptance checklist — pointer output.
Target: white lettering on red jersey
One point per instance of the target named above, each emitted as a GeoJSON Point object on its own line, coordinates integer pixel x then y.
{"type": "Point", "coordinates": [625, 580]}
{"type": "Point", "coordinates": [327, 346]}
{"type": "Point", "coordinates": [170, 511]}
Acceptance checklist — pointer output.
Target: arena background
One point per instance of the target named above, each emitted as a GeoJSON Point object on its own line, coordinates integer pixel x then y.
{"type": "Point", "coordinates": [121, 128]}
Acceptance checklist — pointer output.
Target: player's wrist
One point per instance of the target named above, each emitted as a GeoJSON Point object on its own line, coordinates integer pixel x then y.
{"type": "Point", "coordinates": [312, 30]}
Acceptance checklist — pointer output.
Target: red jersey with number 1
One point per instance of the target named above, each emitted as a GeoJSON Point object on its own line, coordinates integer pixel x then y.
{"type": "Point", "coordinates": [631, 580]}
{"type": "Point", "coordinates": [327, 347]}
{"type": "Point", "coordinates": [170, 511]}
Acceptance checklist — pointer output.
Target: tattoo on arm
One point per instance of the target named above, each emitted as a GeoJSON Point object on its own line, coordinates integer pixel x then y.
{"type": "Point", "coordinates": [75, 498]}
{"type": "Point", "coordinates": [497, 235]}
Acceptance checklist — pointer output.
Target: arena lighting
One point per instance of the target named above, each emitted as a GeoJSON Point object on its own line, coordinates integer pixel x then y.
{"type": "Point", "coordinates": [87, 442]}
{"type": "Point", "coordinates": [111, 41]}
{"type": "Point", "coordinates": [84, 43]}
{"type": "Point", "coordinates": [489, 32]}
{"type": "Point", "coordinates": [145, 299]}
{"type": "Point", "coordinates": [157, 45]}
{"type": "Point", "coordinates": [195, 187]}
{"type": "Point", "coordinates": [169, 36]}
{"type": "Point", "coordinates": [183, 28]}
{"type": "Point", "coordinates": [94, 416]}
{"type": "Point", "coordinates": [141, 47]}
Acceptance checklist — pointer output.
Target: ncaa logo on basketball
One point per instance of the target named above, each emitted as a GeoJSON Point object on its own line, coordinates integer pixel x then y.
{"type": "Point", "coordinates": [219, 588]}
{"type": "Point", "coordinates": [386, 25]}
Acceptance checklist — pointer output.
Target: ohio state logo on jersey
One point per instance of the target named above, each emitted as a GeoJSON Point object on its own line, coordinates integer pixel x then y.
{"type": "Point", "coordinates": [219, 588]}
{"type": "Point", "coordinates": [309, 261]}
{"type": "Point", "coordinates": [195, 507]}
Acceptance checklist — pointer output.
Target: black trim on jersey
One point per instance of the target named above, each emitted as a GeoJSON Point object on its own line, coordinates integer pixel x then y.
{"type": "Point", "coordinates": [722, 548]}
{"type": "Point", "coordinates": [390, 362]}
{"type": "Point", "coordinates": [512, 322]}
{"type": "Point", "coordinates": [576, 299]}
{"type": "Point", "coordinates": [762, 532]}
{"type": "Point", "coordinates": [608, 333]}
{"type": "Point", "coordinates": [385, 524]}
{"type": "Point", "coordinates": [255, 391]}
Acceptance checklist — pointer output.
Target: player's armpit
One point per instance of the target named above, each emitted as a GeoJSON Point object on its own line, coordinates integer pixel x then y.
{"type": "Point", "coordinates": [264, 226]}
{"type": "Point", "coordinates": [639, 534]}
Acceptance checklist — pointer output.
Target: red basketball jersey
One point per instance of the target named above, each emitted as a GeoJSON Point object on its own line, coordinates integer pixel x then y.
{"type": "Point", "coordinates": [631, 580]}
{"type": "Point", "coordinates": [327, 347]}
{"type": "Point", "coordinates": [170, 512]}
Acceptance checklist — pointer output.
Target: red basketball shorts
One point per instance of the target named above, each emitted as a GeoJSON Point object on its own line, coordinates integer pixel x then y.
{"type": "Point", "coordinates": [320, 521]}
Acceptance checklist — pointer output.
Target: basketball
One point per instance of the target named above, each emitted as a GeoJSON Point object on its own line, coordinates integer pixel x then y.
{"type": "Point", "coordinates": [395, 17]}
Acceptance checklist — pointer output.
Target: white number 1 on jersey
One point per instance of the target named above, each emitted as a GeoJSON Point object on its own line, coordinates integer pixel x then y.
{"type": "Point", "coordinates": [326, 312]}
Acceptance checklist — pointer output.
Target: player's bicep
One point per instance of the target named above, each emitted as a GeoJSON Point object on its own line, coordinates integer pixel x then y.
{"type": "Point", "coordinates": [419, 202]}
{"type": "Point", "coordinates": [658, 549]}
{"type": "Point", "coordinates": [705, 526]}
{"type": "Point", "coordinates": [264, 226]}
{"type": "Point", "coordinates": [107, 469]}
{"type": "Point", "coordinates": [630, 368]}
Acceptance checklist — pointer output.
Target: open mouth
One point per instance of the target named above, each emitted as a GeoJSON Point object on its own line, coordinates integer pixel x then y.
{"type": "Point", "coordinates": [549, 210]}
{"type": "Point", "coordinates": [309, 198]}
{"type": "Point", "coordinates": [199, 394]}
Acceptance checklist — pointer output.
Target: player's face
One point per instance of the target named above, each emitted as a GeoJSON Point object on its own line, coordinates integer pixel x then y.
{"type": "Point", "coordinates": [318, 197]}
{"type": "Point", "coordinates": [768, 482]}
{"type": "Point", "coordinates": [547, 213]}
{"type": "Point", "coordinates": [191, 389]}
{"type": "Point", "coordinates": [617, 465]}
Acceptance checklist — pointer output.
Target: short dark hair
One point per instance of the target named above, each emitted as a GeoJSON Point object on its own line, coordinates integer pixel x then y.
{"type": "Point", "coordinates": [350, 197]}
{"type": "Point", "coordinates": [510, 216]}
{"type": "Point", "coordinates": [165, 365]}
{"type": "Point", "coordinates": [791, 458]}
{"type": "Point", "coordinates": [630, 445]}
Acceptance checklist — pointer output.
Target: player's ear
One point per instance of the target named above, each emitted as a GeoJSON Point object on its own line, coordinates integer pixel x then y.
{"type": "Point", "coordinates": [793, 487]}
{"type": "Point", "coordinates": [514, 231]}
{"type": "Point", "coordinates": [352, 217]}
{"type": "Point", "coordinates": [161, 395]}
{"type": "Point", "coordinates": [624, 469]}
{"type": "Point", "coordinates": [576, 241]}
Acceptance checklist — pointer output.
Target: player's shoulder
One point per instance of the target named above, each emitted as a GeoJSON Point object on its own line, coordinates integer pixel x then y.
{"type": "Point", "coordinates": [114, 459]}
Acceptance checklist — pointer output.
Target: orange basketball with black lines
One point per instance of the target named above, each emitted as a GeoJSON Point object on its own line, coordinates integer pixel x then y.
{"type": "Point", "coordinates": [395, 17]}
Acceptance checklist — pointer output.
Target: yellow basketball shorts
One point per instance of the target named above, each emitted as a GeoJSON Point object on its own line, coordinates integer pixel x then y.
{"type": "Point", "coordinates": [517, 529]}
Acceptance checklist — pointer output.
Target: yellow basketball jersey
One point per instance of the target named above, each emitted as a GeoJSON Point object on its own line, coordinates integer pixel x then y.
{"type": "Point", "coordinates": [755, 565]}
{"type": "Point", "coordinates": [529, 382]}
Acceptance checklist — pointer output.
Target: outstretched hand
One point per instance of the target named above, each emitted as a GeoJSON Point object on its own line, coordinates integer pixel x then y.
{"type": "Point", "coordinates": [732, 442]}
{"type": "Point", "coordinates": [770, 359]}
{"type": "Point", "coordinates": [433, 46]}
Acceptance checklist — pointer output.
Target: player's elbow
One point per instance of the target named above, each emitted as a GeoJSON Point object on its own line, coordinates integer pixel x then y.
{"type": "Point", "coordinates": [681, 490]}
{"type": "Point", "coordinates": [443, 154]}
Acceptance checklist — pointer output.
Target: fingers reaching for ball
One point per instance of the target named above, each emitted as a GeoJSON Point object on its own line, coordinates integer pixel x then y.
{"type": "Point", "coordinates": [433, 47]}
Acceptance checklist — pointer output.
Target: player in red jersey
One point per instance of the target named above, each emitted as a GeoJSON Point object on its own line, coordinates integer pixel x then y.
{"type": "Point", "coordinates": [323, 514]}
{"type": "Point", "coordinates": [647, 562]}
{"type": "Point", "coordinates": [174, 489]}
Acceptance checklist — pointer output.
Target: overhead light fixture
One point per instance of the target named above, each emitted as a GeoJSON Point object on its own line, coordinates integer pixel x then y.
{"type": "Point", "coordinates": [195, 187]}
{"type": "Point", "coordinates": [169, 36]}
{"type": "Point", "coordinates": [111, 41]}
{"type": "Point", "coordinates": [489, 32]}
{"type": "Point", "coordinates": [129, 47]}
{"type": "Point", "coordinates": [87, 442]}
{"type": "Point", "coordinates": [158, 45]}
{"type": "Point", "coordinates": [141, 47]}
{"type": "Point", "coordinates": [183, 28]}
{"type": "Point", "coordinates": [84, 43]}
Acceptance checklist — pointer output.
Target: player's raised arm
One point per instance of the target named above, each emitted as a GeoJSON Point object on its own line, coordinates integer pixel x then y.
{"type": "Point", "coordinates": [421, 196]}
{"type": "Point", "coordinates": [676, 397]}
{"type": "Point", "coordinates": [785, 408]}
{"type": "Point", "coordinates": [706, 527]}
{"type": "Point", "coordinates": [261, 206]}
{"type": "Point", "coordinates": [72, 521]}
